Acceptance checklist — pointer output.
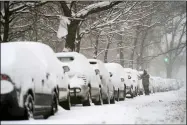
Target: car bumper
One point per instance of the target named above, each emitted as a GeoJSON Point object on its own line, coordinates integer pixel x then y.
{"type": "Point", "coordinates": [10, 108]}
{"type": "Point", "coordinates": [128, 90]}
{"type": "Point", "coordinates": [78, 94]}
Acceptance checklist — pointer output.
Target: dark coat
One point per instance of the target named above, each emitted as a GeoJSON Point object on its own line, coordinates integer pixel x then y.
{"type": "Point", "coordinates": [145, 79]}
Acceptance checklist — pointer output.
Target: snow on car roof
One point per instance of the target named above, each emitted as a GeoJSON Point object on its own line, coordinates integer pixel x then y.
{"type": "Point", "coordinates": [42, 51]}
{"type": "Point", "coordinates": [115, 67]}
{"type": "Point", "coordinates": [80, 63]}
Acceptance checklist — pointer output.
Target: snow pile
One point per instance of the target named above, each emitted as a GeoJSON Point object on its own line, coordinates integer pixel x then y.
{"type": "Point", "coordinates": [158, 84]}
{"type": "Point", "coordinates": [159, 108]}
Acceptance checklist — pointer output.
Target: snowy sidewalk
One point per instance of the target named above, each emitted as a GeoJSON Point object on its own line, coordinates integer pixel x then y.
{"type": "Point", "coordinates": [166, 107]}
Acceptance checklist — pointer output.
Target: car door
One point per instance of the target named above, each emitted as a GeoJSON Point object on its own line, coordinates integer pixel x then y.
{"type": "Point", "coordinates": [48, 86]}
{"type": "Point", "coordinates": [63, 82]}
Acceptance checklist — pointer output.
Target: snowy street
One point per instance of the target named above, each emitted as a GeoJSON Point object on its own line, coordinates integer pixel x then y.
{"type": "Point", "coordinates": [159, 108]}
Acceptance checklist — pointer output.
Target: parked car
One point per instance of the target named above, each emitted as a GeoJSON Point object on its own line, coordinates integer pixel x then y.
{"type": "Point", "coordinates": [107, 88]}
{"type": "Point", "coordinates": [26, 89]}
{"type": "Point", "coordinates": [135, 77]}
{"type": "Point", "coordinates": [64, 89]}
{"type": "Point", "coordinates": [118, 80]}
{"type": "Point", "coordinates": [130, 87]}
{"type": "Point", "coordinates": [140, 85]}
{"type": "Point", "coordinates": [84, 82]}
{"type": "Point", "coordinates": [54, 72]}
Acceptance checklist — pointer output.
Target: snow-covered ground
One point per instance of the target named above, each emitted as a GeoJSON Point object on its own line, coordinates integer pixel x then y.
{"type": "Point", "coordinates": [163, 108]}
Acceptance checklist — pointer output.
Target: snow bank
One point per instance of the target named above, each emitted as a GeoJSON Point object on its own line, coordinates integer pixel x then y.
{"type": "Point", "coordinates": [159, 108]}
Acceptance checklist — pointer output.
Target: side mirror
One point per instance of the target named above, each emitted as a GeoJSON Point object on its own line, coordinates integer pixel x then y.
{"type": "Point", "coordinates": [129, 77]}
{"type": "Point", "coordinates": [110, 74]}
{"type": "Point", "coordinates": [101, 77]}
{"type": "Point", "coordinates": [66, 69]}
{"type": "Point", "coordinates": [97, 72]}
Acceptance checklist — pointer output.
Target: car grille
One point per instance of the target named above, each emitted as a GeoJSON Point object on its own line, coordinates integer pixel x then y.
{"type": "Point", "coordinates": [128, 87]}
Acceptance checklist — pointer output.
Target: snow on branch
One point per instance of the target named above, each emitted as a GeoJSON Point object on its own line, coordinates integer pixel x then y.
{"type": "Point", "coordinates": [93, 8]}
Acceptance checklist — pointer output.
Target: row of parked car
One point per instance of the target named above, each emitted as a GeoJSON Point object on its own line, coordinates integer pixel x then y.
{"type": "Point", "coordinates": [35, 80]}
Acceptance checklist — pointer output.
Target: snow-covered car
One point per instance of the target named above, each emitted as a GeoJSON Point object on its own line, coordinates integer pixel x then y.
{"type": "Point", "coordinates": [64, 94]}
{"type": "Point", "coordinates": [130, 87]}
{"type": "Point", "coordinates": [54, 71]}
{"type": "Point", "coordinates": [84, 83]}
{"type": "Point", "coordinates": [107, 88]}
{"type": "Point", "coordinates": [26, 88]}
{"type": "Point", "coordinates": [135, 78]}
{"type": "Point", "coordinates": [117, 79]}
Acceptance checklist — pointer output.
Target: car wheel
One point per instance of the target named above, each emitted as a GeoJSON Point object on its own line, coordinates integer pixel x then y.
{"type": "Point", "coordinates": [132, 95]}
{"type": "Point", "coordinates": [112, 101]}
{"type": "Point", "coordinates": [124, 92]}
{"type": "Point", "coordinates": [66, 104]}
{"type": "Point", "coordinates": [54, 106]}
{"type": "Point", "coordinates": [88, 101]}
{"type": "Point", "coordinates": [29, 107]}
{"type": "Point", "coordinates": [100, 101]}
{"type": "Point", "coordinates": [117, 99]}
{"type": "Point", "coordinates": [107, 100]}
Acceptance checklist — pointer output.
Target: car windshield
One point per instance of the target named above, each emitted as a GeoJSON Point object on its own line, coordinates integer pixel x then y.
{"type": "Point", "coordinates": [93, 62]}
{"type": "Point", "coordinates": [66, 59]}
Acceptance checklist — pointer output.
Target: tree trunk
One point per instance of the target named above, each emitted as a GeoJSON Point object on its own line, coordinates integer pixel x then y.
{"type": "Point", "coordinates": [121, 55]}
{"type": "Point", "coordinates": [96, 48]}
{"type": "Point", "coordinates": [140, 59]}
{"type": "Point", "coordinates": [77, 48]}
{"type": "Point", "coordinates": [71, 36]}
{"type": "Point", "coordinates": [106, 53]}
{"type": "Point", "coordinates": [134, 49]}
{"type": "Point", "coordinates": [6, 23]}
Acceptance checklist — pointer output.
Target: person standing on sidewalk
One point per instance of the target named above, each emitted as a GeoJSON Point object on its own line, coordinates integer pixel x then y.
{"type": "Point", "coordinates": [145, 81]}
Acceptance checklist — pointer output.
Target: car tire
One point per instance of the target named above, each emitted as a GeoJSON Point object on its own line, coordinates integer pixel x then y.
{"type": "Point", "coordinates": [107, 100]}
{"type": "Point", "coordinates": [124, 92]}
{"type": "Point", "coordinates": [66, 104]}
{"type": "Point", "coordinates": [112, 101]}
{"type": "Point", "coordinates": [100, 101]}
{"type": "Point", "coordinates": [88, 101]}
{"type": "Point", "coordinates": [132, 95]}
{"type": "Point", "coordinates": [54, 105]}
{"type": "Point", "coordinates": [117, 99]}
{"type": "Point", "coordinates": [29, 107]}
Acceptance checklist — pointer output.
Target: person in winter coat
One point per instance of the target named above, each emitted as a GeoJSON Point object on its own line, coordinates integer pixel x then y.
{"type": "Point", "coordinates": [145, 82]}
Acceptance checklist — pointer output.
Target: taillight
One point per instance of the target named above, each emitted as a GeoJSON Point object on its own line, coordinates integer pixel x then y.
{"type": "Point", "coordinates": [5, 77]}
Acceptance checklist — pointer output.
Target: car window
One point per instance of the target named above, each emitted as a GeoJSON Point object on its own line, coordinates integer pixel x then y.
{"type": "Point", "coordinates": [93, 62]}
{"type": "Point", "coordinates": [66, 59]}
